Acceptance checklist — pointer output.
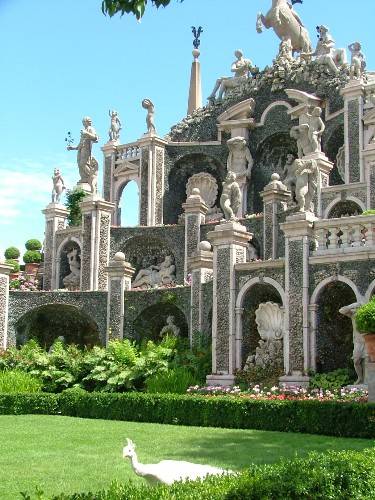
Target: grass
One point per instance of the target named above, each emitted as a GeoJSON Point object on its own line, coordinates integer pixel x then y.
{"type": "Point", "coordinates": [17, 381]}
{"type": "Point", "coordinates": [65, 454]}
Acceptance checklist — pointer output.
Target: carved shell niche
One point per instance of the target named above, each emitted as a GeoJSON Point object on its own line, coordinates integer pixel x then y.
{"type": "Point", "coordinates": [269, 318]}
{"type": "Point", "coordinates": [207, 186]}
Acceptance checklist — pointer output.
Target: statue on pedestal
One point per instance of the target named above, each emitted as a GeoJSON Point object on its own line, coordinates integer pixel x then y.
{"type": "Point", "coordinates": [241, 69]}
{"type": "Point", "coordinates": [308, 133]}
{"type": "Point", "coordinates": [239, 159]}
{"type": "Point", "coordinates": [86, 162]}
{"type": "Point", "coordinates": [359, 351]}
{"type": "Point", "coordinates": [58, 186]}
{"type": "Point", "coordinates": [230, 199]}
{"type": "Point", "coordinates": [114, 131]}
{"type": "Point", "coordinates": [305, 172]}
{"type": "Point", "coordinates": [170, 328]}
{"type": "Point", "coordinates": [149, 106]}
{"type": "Point", "coordinates": [358, 61]}
{"type": "Point", "coordinates": [72, 281]}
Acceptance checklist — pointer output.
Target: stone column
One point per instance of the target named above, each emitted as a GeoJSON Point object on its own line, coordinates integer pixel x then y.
{"type": "Point", "coordinates": [353, 94]}
{"type": "Point", "coordinates": [230, 240]}
{"type": "Point", "coordinates": [56, 216]}
{"type": "Point", "coordinates": [275, 197]}
{"type": "Point", "coordinates": [195, 90]}
{"type": "Point", "coordinates": [152, 179]}
{"type": "Point", "coordinates": [119, 274]}
{"type": "Point", "coordinates": [369, 160]}
{"type": "Point", "coordinates": [201, 265]}
{"type": "Point", "coordinates": [96, 225]}
{"type": "Point", "coordinates": [5, 270]}
{"type": "Point", "coordinates": [298, 230]}
{"type": "Point", "coordinates": [110, 152]}
{"type": "Point", "coordinates": [195, 212]}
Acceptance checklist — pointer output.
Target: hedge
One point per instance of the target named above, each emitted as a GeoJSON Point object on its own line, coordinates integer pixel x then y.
{"type": "Point", "coordinates": [312, 417]}
{"type": "Point", "coordinates": [343, 475]}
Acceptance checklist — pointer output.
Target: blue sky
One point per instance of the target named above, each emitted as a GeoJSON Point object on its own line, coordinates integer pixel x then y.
{"type": "Point", "coordinates": [62, 60]}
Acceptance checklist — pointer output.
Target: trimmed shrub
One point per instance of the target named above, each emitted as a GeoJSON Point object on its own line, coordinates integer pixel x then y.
{"type": "Point", "coordinates": [16, 381]}
{"type": "Point", "coordinates": [12, 253]}
{"type": "Point", "coordinates": [32, 256]}
{"type": "Point", "coordinates": [33, 244]}
{"type": "Point", "coordinates": [72, 203]}
{"type": "Point", "coordinates": [331, 380]}
{"type": "Point", "coordinates": [174, 381]}
{"type": "Point", "coordinates": [14, 263]}
{"type": "Point", "coordinates": [365, 317]}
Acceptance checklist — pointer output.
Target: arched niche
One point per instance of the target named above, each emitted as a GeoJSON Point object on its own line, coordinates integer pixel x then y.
{"type": "Point", "coordinates": [181, 171]}
{"type": "Point", "coordinates": [128, 200]}
{"type": "Point", "coordinates": [62, 264]}
{"type": "Point", "coordinates": [344, 208]}
{"type": "Point", "coordinates": [151, 320]}
{"type": "Point", "coordinates": [46, 323]}
{"type": "Point", "coordinates": [270, 157]}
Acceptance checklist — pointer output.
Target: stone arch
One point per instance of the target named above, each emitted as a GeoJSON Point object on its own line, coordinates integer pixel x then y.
{"type": "Point", "coordinates": [62, 266]}
{"type": "Point", "coordinates": [182, 170]}
{"type": "Point", "coordinates": [253, 293]}
{"type": "Point", "coordinates": [120, 187]}
{"type": "Point", "coordinates": [339, 207]}
{"type": "Point", "coordinates": [370, 291]}
{"type": "Point", "coordinates": [47, 322]}
{"type": "Point", "coordinates": [270, 107]}
{"type": "Point", "coordinates": [326, 281]}
{"type": "Point", "coordinates": [149, 323]}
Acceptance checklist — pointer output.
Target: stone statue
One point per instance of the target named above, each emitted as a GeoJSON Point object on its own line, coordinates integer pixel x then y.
{"type": "Point", "coordinates": [86, 162]}
{"type": "Point", "coordinates": [308, 133]}
{"type": "Point", "coordinates": [114, 131]}
{"type": "Point", "coordinates": [230, 199]}
{"type": "Point", "coordinates": [285, 55]}
{"type": "Point", "coordinates": [358, 61]}
{"type": "Point", "coordinates": [289, 177]}
{"type": "Point", "coordinates": [170, 328]}
{"type": "Point", "coordinates": [241, 68]}
{"type": "Point", "coordinates": [306, 175]}
{"type": "Point", "coordinates": [287, 25]}
{"type": "Point", "coordinates": [72, 281]}
{"type": "Point", "coordinates": [148, 104]}
{"type": "Point", "coordinates": [325, 52]}
{"type": "Point", "coordinates": [359, 351]}
{"type": "Point", "coordinates": [156, 275]}
{"type": "Point", "coordinates": [58, 186]}
{"type": "Point", "coordinates": [239, 160]}
{"type": "Point", "coordinates": [93, 177]}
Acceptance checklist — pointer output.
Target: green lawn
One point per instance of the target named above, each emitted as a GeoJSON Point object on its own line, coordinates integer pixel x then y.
{"type": "Point", "coordinates": [64, 454]}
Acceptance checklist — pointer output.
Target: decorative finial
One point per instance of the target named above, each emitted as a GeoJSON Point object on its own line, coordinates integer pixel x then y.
{"type": "Point", "coordinates": [197, 33]}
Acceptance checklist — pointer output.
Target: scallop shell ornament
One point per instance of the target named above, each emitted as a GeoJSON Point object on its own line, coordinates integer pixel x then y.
{"type": "Point", "coordinates": [269, 318]}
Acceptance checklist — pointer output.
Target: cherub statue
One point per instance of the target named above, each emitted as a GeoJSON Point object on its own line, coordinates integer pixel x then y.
{"type": "Point", "coordinates": [148, 104]}
{"type": "Point", "coordinates": [230, 199]}
{"type": "Point", "coordinates": [170, 328]}
{"type": "Point", "coordinates": [306, 174]}
{"type": "Point", "coordinates": [58, 186]}
{"type": "Point", "coordinates": [358, 61]}
{"type": "Point", "coordinates": [359, 351]}
{"type": "Point", "coordinates": [114, 131]}
{"type": "Point", "coordinates": [239, 159]}
{"type": "Point", "coordinates": [85, 160]}
{"type": "Point", "coordinates": [241, 69]}
{"type": "Point", "coordinates": [308, 134]}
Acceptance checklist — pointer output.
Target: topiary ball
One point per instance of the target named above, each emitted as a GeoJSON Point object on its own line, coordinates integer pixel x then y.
{"type": "Point", "coordinates": [32, 256]}
{"type": "Point", "coordinates": [365, 317]}
{"type": "Point", "coordinates": [14, 263]}
{"type": "Point", "coordinates": [12, 253]}
{"type": "Point", "coordinates": [33, 245]}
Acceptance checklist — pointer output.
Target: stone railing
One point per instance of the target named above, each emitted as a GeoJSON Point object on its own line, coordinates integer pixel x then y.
{"type": "Point", "coordinates": [341, 235]}
{"type": "Point", "coordinates": [129, 152]}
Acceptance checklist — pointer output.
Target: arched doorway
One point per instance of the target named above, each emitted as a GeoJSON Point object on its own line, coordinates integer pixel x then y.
{"type": "Point", "coordinates": [47, 322]}
{"type": "Point", "coordinates": [128, 204]}
{"type": "Point", "coordinates": [151, 321]}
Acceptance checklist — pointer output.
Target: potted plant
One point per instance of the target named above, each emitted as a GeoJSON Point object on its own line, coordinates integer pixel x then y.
{"type": "Point", "coordinates": [15, 268]}
{"type": "Point", "coordinates": [32, 257]}
{"type": "Point", "coordinates": [365, 323]}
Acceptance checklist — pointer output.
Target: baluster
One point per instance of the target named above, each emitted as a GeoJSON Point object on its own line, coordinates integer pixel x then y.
{"type": "Point", "coordinates": [370, 238]}
{"type": "Point", "coordinates": [357, 235]}
{"type": "Point", "coordinates": [333, 239]}
{"type": "Point", "coordinates": [345, 237]}
{"type": "Point", "coordinates": [321, 236]}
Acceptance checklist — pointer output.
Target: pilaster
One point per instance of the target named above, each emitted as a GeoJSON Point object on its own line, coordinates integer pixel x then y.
{"type": "Point", "coordinates": [229, 240]}
{"type": "Point", "coordinates": [369, 160]}
{"type": "Point", "coordinates": [353, 94]}
{"type": "Point", "coordinates": [5, 270]}
{"type": "Point", "coordinates": [119, 274]}
{"type": "Point", "coordinates": [298, 230]}
{"type": "Point", "coordinates": [201, 266]}
{"type": "Point", "coordinates": [55, 218]}
{"type": "Point", "coordinates": [152, 179]}
{"type": "Point", "coordinates": [195, 212]}
{"type": "Point", "coordinates": [96, 225]}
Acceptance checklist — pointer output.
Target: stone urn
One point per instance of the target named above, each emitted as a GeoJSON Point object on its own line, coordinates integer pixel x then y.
{"type": "Point", "coordinates": [365, 323]}
{"type": "Point", "coordinates": [370, 345]}
{"type": "Point", "coordinates": [31, 268]}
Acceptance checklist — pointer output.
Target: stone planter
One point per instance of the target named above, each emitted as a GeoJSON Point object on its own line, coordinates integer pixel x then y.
{"type": "Point", "coordinates": [31, 269]}
{"type": "Point", "coordinates": [13, 276]}
{"type": "Point", "coordinates": [370, 346]}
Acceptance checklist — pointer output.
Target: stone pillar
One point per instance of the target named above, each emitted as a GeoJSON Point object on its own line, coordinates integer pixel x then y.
{"type": "Point", "coordinates": [230, 240]}
{"type": "Point", "coordinates": [298, 230]}
{"type": "Point", "coordinates": [195, 90]}
{"type": "Point", "coordinates": [195, 212]}
{"type": "Point", "coordinates": [201, 265]}
{"type": "Point", "coordinates": [109, 152]}
{"type": "Point", "coordinates": [152, 179]}
{"type": "Point", "coordinates": [96, 225]}
{"type": "Point", "coordinates": [353, 94]}
{"type": "Point", "coordinates": [56, 216]}
{"type": "Point", "coordinates": [369, 161]}
{"type": "Point", "coordinates": [119, 274]}
{"type": "Point", "coordinates": [275, 198]}
{"type": "Point", "coordinates": [5, 270]}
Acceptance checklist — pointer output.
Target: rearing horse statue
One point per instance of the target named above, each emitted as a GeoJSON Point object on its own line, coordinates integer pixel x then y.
{"type": "Point", "coordinates": [286, 24]}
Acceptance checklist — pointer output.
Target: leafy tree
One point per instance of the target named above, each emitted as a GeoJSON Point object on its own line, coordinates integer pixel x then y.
{"type": "Point", "coordinates": [136, 7]}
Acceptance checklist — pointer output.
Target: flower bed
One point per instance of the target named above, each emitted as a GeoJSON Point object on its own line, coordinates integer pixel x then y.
{"type": "Point", "coordinates": [348, 395]}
